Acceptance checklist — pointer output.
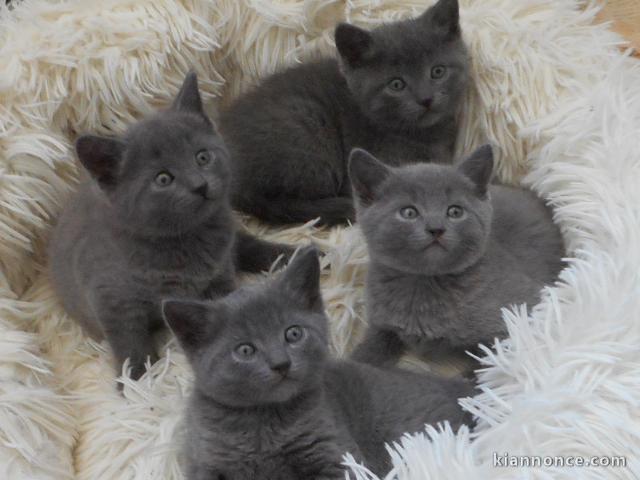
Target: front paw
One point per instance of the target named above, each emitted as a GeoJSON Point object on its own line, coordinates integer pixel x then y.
{"type": "Point", "coordinates": [137, 368]}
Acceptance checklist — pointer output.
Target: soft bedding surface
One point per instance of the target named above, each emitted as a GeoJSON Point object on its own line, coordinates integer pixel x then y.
{"type": "Point", "coordinates": [552, 91]}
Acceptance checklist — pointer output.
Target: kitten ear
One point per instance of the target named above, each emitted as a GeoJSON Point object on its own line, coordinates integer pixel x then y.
{"type": "Point", "coordinates": [478, 167]}
{"type": "Point", "coordinates": [366, 173]}
{"type": "Point", "coordinates": [445, 15]}
{"type": "Point", "coordinates": [301, 278]}
{"type": "Point", "coordinates": [188, 98]}
{"type": "Point", "coordinates": [101, 156]}
{"type": "Point", "coordinates": [190, 321]}
{"type": "Point", "coordinates": [353, 43]}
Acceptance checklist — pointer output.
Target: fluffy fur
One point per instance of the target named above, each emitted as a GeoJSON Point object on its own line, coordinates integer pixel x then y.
{"type": "Point", "coordinates": [550, 88]}
{"type": "Point", "coordinates": [447, 252]}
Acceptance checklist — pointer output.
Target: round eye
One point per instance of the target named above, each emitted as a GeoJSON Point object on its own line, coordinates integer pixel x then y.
{"type": "Point", "coordinates": [245, 350]}
{"type": "Point", "coordinates": [293, 334]}
{"type": "Point", "coordinates": [203, 157]}
{"type": "Point", "coordinates": [455, 211]}
{"type": "Point", "coordinates": [397, 84]}
{"type": "Point", "coordinates": [408, 213]}
{"type": "Point", "coordinates": [164, 178]}
{"type": "Point", "coordinates": [438, 71]}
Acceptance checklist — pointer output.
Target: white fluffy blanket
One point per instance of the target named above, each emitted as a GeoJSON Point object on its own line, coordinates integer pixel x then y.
{"type": "Point", "coordinates": [551, 89]}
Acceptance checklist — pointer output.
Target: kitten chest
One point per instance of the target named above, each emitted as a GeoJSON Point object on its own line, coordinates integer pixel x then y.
{"type": "Point", "coordinates": [258, 452]}
{"type": "Point", "coordinates": [414, 307]}
{"type": "Point", "coordinates": [185, 268]}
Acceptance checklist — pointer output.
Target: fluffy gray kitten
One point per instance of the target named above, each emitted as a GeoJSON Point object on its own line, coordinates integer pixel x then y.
{"type": "Point", "coordinates": [268, 403]}
{"type": "Point", "coordinates": [447, 251]}
{"type": "Point", "coordinates": [395, 90]}
{"type": "Point", "coordinates": [153, 220]}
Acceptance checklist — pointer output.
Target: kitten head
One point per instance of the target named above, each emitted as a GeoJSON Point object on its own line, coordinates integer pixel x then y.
{"type": "Point", "coordinates": [425, 218]}
{"type": "Point", "coordinates": [410, 74]}
{"type": "Point", "coordinates": [262, 344]}
{"type": "Point", "coordinates": [168, 173]}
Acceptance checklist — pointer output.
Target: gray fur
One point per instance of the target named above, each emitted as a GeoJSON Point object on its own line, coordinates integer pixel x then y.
{"type": "Point", "coordinates": [437, 282]}
{"type": "Point", "coordinates": [290, 137]}
{"type": "Point", "coordinates": [288, 411]}
{"type": "Point", "coordinates": [123, 241]}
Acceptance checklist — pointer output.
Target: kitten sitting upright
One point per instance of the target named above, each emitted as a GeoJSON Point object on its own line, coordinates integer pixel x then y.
{"type": "Point", "coordinates": [268, 404]}
{"type": "Point", "coordinates": [447, 252]}
{"type": "Point", "coordinates": [395, 90]}
{"type": "Point", "coordinates": [153, 220]}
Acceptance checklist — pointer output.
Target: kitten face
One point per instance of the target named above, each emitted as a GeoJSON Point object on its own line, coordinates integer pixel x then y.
{"type": "Point", "coordinates": [169, 172]}
{"type": "Point", "coordinates": [262, 344]}
{"type": "Point", "coordinates": [424, 219]}
{"type": "Point", "coordinates": [407, 75]}
{"type": "Point", "coordinates": [174, 173]}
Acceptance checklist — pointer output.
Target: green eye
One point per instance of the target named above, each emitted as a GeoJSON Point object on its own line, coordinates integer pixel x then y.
{"type": "Point", "coordinates": [203, 157]}
{"type": "Point", "coordinates": [397, 84]}
{"type": "Point", "coordinates": [164, 178]}
{"type": "Point", "coordinates": [455, 211]}
{"type": "Point", "coordinates": [245, 350]}
{"type": "Point", "coordinates": [293, 334]}
{"type": "Point", "coordinates": [438, 71]}
{"type": "Point", "coordinates": [408, 213]}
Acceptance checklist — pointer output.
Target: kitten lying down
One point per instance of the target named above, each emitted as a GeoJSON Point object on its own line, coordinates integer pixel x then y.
{"type": "Point", "coordinates": [395, 90]}
{"type": "Point", "coordinates": [269, 404]}
{"type": "Point", "coordinates": [447, 251]}
{"type": "Point", "coordinates": [152, 220]}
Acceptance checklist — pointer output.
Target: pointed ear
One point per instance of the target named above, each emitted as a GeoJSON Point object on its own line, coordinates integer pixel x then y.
{"type": "Point", "coordinates": [101, 156]}
{"type": "Point", "coordinates": [301, 278]}
{"type": "Point", "coordinates": [478, 167]}
{"type": "Point", "coordinates": [188, 99]}
{"type": "Point", "coordinates": [354, 44]}
{"type": "Point", "coordinates": [366, 173]}
{"type": "Point", "coordinates": [190, 321]}
{"type": "Point", "coordinates": [444, 16]}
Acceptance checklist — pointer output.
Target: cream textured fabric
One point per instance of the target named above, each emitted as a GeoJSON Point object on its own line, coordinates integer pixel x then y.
{"type": "Point", "coordinates": [551, 91]}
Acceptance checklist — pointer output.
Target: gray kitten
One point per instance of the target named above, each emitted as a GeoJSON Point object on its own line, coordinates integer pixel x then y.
{"type": "Point", "coordinates": [447, 251]}
{"type": "Point", "coordinates": [153, 220]}
{"type": "Point", "coordinates": [268, 403]}
{"type": "Point", "coordinates": [395, 90]}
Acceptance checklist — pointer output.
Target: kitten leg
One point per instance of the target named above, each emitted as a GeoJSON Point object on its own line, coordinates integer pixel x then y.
{"type": "Point", "coordinates": [283, 210]}
{"type": "Point", "coordinates": [252, 254]}
{"type": "Point", "coordinates": [133, 342]}
{"type": "Point", "coordinates": [380, 347]}
{"type": "Point", "coordinates": [321, 461]}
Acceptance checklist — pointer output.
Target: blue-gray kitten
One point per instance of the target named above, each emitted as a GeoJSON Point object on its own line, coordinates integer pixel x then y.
{"type": "Point", "coordinates": [153, 219]}
{"type": "Point", "coordinates": [268, 403]}
{"type": "Point", "coordinates": [395, 90]}
{"type": "Point", "coordinates": [447, 251]}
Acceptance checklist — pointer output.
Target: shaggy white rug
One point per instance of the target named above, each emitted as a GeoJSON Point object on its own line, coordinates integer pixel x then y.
{"type": "Point", "coordinates": [551, 89]}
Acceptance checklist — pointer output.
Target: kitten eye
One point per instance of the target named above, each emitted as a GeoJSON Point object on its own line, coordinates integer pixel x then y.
{"type": "Point", "coordinates": [164, 178]}
{"type": "Point", "coordinates": [408, 213]}
{"type": "Point", "coordinates": [455, 211]}
{"type": "Point", "coordinates": [293, 334]}
{"type": "Point", "coordinates": [203, 157]}
{"type": "Point", "coordinates": [245, 350]}
{"type": "Point", "coordinates": [438, 71]}
{"type": "Point", "coordinates": [397, 84]}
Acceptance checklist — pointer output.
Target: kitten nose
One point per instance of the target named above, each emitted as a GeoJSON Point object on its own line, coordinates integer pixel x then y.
{"type": "Point", "coordinates": [426, 102]}
{"type": "Point", "coordinates": [201, 190]}
{"type": "Point", "coordinates": [281, 366]}
{"type": "Point", "coordinates": [436, 232]}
